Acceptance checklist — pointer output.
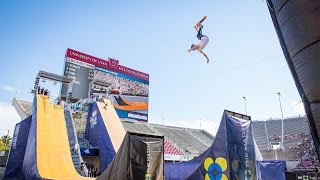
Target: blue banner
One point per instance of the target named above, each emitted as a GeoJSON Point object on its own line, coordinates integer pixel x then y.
{"type": "Point", "coordinates": [18, 148]}
{"type": "Point", "coordinates": [240, 149]}
{"type": "Point", "coordinates": [89, 151]}
{"type": "Point", "coordinates": [97, 134]}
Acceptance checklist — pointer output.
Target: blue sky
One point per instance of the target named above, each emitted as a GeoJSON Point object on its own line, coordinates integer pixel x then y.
{"type": "Point", "coordinates": [153, 37]}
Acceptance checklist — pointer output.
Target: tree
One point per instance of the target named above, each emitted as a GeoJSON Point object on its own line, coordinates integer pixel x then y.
{"type": "Point", "coordinates": [2, 148]}
{"type": "Point", "coordinates": [5, 142]}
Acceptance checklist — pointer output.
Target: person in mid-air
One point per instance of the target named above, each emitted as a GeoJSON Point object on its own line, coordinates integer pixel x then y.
{"type": "Point", "coordinates": [203, 41]}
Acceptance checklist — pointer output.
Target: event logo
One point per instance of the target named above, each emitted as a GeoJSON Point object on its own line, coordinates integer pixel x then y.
{"type": "Point", "coordinates": [93, 118]}
{"type": "Point", "coordinates": [113, 63]}
{"type": "Point", "coordinates": [87, 151]}
{"type": "Point", "coordinates": [215, 168]}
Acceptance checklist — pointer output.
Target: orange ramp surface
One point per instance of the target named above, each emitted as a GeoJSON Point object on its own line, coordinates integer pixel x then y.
{"type": "Point", "coordinates": [112, 122]}
{"type": "Point", "coordinates": [53, 152]}
{"type": "Point", "coordinates": [131, 107]}
{"type": "Point", "coordinates": [134, 103]}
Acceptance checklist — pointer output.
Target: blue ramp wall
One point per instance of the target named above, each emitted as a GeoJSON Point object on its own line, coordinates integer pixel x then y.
{"type": "Point", "coordinates": [194, 169]}
{"type": "Point", "coordinates": [97, 134]}
{"type": "Point", "coordinates": [231, 155]}
{"type": "Point", "coordinates": [29, 166]}
{"type": "Point", "coordinates": [214, 162]}
{"type": "Point", "coordinates": [17, 150]}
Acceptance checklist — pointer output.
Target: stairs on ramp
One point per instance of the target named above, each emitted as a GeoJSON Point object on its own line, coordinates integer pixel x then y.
{"type": "Point", "coordinates": [73, 141]}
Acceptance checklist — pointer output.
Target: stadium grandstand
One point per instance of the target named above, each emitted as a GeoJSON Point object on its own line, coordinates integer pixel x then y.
{"type": "Point", "coordinates": [297, 146]}
{"type": "Point", "coordinates": [183, 144]}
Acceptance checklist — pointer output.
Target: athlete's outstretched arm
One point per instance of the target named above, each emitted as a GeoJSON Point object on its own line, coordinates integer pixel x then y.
{"type": "Point", "coordinates": [196, 46]}
{"type": "Point", "coordinates": [191, 49]}
{"type": "Point", "coordinates": [197, 26]}
{"type": "Point", "coordinates": [205, 55]}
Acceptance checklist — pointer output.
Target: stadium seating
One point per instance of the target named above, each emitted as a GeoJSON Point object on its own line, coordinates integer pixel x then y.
{"type": "Point", "coordinates": [169, 148]}
{"type": "Point", "coordinates": [140, 127]}
{"type": "Point", "coordinates": [185, 140]}
{"type": "Point", "coordinates": [202, 136]}
{"type": "Point", "coordinates": [269, 131]}
{"type": "Point", "coordinates": [260, 134]}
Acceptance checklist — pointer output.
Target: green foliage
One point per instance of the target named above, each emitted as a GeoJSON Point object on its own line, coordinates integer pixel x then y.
{"type": "Point", "coordinates": [5, 143]}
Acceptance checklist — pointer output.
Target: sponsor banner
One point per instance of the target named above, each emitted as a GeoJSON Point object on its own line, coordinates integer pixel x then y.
{"type": "Point", "coordinates": [111, 64]}
{"type": "Point", "coordinates": [137, 116]}
{"type": "Point", "coordinates": [241, 149]}
{"type": "Point", "coordinates": [89, 151]}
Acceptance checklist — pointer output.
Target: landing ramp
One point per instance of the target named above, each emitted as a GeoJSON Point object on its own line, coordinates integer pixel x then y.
{"type": "Point", "coordinates": [48, 153]}
{"type": "Point", "coordinates": [105, 131]}
{"type": "Point", "coordinates": [231, 155]}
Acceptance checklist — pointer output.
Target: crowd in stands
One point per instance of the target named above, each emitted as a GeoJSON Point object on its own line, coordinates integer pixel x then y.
{"type": "Point", "coordinates": [304, 148]}
{"type": "Point", "coordinates": [41, 90]}
{"type": "Point", "coordinates": [275, 137]}
{"type": "Point", "coordinates": [288, 137]}
{"type": "Point", "coordinates": [306, 151]}
{"type": "Point", "coordinates": [89, 170]}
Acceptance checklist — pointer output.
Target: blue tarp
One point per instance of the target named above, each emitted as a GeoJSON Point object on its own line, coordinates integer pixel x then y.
{"type": "Point", "coordinates": [179, 170]}
{"type": "Point", "coordinates": [230, 156]}
{"type": "Point", "coordinates": [97, 134]}
{"type": "Point", "coordinates": [269, 170]}
{"type": "Point", "coordinates": [29, 167]}
{"type": "Point", "coordinates": [17, 150]}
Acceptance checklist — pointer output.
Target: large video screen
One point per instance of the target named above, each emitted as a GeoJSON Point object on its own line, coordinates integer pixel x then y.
{"type": "Point", "coordinates": [126, 88]}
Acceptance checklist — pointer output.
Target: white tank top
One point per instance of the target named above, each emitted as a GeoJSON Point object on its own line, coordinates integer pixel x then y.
{"type": "Point", "coordinates": [204, 41]}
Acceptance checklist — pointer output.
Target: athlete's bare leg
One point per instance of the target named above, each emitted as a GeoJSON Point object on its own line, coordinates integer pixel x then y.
{"type": "Point", "coordinates": [205, 55]}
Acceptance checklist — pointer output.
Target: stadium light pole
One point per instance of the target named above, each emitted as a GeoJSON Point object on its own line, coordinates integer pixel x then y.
{"type": "Point", "coordinates": [245, 104]}
{"type": "Point", "coordinates": [162, 118]}
{"type": "Point", "coordinates": [279, 94]}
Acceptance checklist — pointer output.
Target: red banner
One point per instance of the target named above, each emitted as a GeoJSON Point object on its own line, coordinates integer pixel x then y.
{"type": "Point", "coordinates": [111, 64]}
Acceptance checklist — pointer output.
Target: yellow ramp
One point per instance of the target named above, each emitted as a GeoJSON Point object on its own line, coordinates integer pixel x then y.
{"type": "Point", "coordinates": [112, 122]}
{"type": "Point", "coordinates": [53, 152]}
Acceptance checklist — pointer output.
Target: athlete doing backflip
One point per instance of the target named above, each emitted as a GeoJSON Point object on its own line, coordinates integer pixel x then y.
{"type": "Point", "coordinates": [203, 40]}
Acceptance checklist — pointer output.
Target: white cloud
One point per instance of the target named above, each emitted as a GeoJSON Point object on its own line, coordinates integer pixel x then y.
{"type": "Point", "coordinates": [298, 107]}
{"type": "Point", "coordinates": [8, 88]}
{"type": "Point", "coordinates": [9, 118]}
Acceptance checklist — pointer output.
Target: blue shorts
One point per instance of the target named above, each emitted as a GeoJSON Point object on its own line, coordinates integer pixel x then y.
{"type": "Point", "coordinates": [199, 35]}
